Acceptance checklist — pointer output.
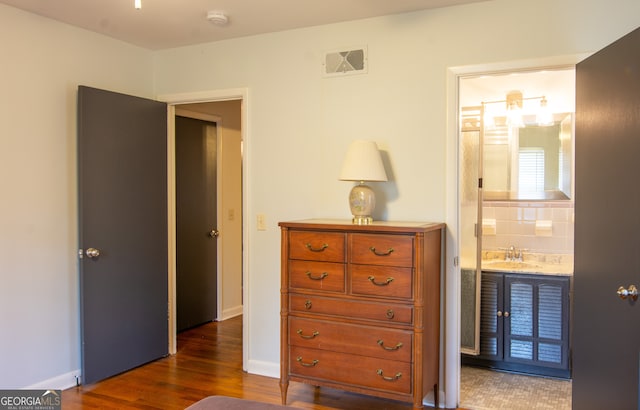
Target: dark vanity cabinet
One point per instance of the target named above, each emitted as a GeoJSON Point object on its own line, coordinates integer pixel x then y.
{"type": "Point", "coordinates": [524, 324]}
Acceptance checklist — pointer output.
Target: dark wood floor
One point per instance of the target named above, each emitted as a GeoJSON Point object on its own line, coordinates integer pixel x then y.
{"type": "Point", "coordinates": [208, 362]}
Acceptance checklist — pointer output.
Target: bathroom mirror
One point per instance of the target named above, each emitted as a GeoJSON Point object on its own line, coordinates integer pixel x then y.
{"type": "Point", "coordinates": [521, 159]}
{"type": "Point", "coordinates": [531, 162]}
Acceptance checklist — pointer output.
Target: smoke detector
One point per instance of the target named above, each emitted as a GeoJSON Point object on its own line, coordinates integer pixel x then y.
{"type": "Point", "coordinates": [217, 17]}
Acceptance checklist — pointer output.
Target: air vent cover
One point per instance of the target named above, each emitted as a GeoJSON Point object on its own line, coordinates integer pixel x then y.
{"type": "Point", "coordinates": [345, 62]}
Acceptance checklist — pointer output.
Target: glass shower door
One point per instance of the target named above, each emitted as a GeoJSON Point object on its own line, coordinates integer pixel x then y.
{"type": "Point", "coordinates": [470, 209]}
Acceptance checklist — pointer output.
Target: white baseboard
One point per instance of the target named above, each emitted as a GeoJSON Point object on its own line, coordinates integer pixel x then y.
{"type": "Point", "coordinates": [229, 313]}
{"type": "Point", "coordinates": [428, 399]}
{"type": "Point", "coordinates": [61, 382]}
{"type": "Point", "coordinates": [268, 369]}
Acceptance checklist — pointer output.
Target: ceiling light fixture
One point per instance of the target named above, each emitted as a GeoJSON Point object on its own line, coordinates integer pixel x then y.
{"type": "Point", "coordinates": [137, 4]}
{"type": "Point", "coordinates": [217, 17]}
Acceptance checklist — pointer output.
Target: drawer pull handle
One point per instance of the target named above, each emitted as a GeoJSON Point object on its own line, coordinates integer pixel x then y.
{"type": "Point", "coordinates": [311, 336]}
{"type": "Point", "coordinates": [307, 304]}
{"type": "Point", "coordinates": [322, 276]}
{"type": "Point", "coordinates": [387, 378]}
{"type": "Point", "coordinates": [390, 314]}
{"type": "Point", "coordinates": [372, 279]}
{"type": "Point", "coordinates": [396, 347]}
{"type": "Point", "coordinates": [320, 249]}
{"type": "Point", "coordinates": [387, 253]}
{"type": "Point", "coordinates": [312, 364]}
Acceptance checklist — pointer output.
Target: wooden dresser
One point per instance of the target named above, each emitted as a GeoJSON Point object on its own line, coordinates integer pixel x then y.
{"type": "Point", "coordinates": [360, 307]}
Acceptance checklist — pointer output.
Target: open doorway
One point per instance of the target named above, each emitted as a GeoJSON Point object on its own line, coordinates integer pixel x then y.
{"type": "Point", "coordinates": [516, 231]}
{"type": "Point", "coordinates": [216, 152]}
{"type": "Point", "coordinates": [226, 109]}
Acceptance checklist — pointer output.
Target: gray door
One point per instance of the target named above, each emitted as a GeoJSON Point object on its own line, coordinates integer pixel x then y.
{"type": "Point", "coordinates": [122, 190]}
{"type": "Point", "coordinates": [196, 222]}
{"type": "Point", "coordinates": [606, 342]}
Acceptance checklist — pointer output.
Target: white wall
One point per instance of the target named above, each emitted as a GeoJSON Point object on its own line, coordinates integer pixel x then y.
{"type": "Point", "coordinates": [41, 64]}
{"type": "Point", "coordinates": [299, 127]}
{"type": "Point", "coordinates": [300, 123]}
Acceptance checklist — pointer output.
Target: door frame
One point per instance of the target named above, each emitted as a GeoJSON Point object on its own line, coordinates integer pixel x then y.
{"type": "Point", "coordinates": [450, 374]}
{"type": "Point", "coordinates": [173, 100]}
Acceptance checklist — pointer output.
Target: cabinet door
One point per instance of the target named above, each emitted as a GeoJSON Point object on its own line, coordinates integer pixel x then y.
{"type": "Point", "coordinates": [536, 329]}
{"type": "Point", "coordinates": [491, 312]}
{"type": "Point", "coordinates": [519, 319]}
{"type": "Point", "coordinates": [553, 323]}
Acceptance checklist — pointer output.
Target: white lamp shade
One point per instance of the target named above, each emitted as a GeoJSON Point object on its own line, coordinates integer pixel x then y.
{"type": "Point", "coordinates": [363, 163]}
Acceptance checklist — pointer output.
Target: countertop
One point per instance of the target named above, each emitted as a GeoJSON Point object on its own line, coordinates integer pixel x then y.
{"type": "Point", "coordinates": [533, 263]}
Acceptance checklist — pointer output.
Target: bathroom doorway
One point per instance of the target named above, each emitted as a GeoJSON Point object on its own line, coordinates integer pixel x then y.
{"type": "Point", "coordinates": [516, 235]}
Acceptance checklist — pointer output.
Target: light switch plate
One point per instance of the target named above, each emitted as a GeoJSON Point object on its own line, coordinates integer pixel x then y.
{"type": "Point", "coordinates": [261, 222]}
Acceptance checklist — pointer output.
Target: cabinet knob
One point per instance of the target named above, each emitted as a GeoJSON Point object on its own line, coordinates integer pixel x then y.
{"type": "Point", "coordinates": [499, 314]}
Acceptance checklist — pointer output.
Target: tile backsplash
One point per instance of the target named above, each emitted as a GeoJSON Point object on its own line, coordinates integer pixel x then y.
{"type": "Point", "coordinates": [537, 227]}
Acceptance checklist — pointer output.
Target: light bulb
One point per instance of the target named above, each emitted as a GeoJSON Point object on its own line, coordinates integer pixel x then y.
{"type": "Point", "coordinates": [138, 4]}
{"type": "Point", "coordinates": [514, 116]}
{"type": "Point", "coordinates": [544, 116]}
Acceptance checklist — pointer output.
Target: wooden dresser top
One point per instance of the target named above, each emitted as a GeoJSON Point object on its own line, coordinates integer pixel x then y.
{"type": "Point", "coordinates": [377, 226]}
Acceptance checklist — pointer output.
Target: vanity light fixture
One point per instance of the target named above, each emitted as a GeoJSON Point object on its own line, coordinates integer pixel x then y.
{"type": "Point", "coordinates": [362, 163]}
{"type": "Point", "coordinates": [137, 4]}
{"type": "Point", "coordinates": [514, 110]}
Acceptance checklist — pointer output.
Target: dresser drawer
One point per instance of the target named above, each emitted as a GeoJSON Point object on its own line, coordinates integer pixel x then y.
{"type": "Point", "coordinates": [381, 311]}
{"type": "Point", "coordinates": [381, 281]}
{"type": "Point", "coordinates": [317, 246]}
{"type": "Point", "coordinates": [387, 250]}
{"type": "Point", "coordinates": [327, 276]}
{"type": "Point", "coordinates": [362, 371]}
{"type": "Point", "coordinates": [374, 341]}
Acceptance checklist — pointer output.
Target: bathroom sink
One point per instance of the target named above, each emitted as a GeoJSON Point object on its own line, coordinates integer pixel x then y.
{"type": "Point", "coordinates": [511, 265]}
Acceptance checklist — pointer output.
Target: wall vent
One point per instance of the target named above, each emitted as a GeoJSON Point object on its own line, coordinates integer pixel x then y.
{"type": "Point", "coordinates": [345, 62]}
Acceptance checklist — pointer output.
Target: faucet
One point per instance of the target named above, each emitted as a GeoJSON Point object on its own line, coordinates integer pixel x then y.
{"type": "Point", "coordinates": [519, 257]}
{"type": "Point", "coordinates": [509, 253]}
{"type": "Point", "coordinates": [513, 254]}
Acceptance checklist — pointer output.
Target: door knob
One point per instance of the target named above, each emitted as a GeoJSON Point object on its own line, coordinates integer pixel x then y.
{"type": "Point", "coordinates": [214, 233]}
{"type": "Point", "coordinates": [92, 252]}
{"type": "Point", "coordinates": [632, 292]}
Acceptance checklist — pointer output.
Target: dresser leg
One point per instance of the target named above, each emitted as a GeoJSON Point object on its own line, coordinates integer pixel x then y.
{"type": "Point", "coordinates": [284, 386]}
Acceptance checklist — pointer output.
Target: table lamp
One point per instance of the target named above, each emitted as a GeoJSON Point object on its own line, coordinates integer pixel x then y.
{"type": "Point", "coordinates": [362, 163]}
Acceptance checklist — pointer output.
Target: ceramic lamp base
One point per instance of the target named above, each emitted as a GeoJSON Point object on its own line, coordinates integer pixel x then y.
{"type": "Point", "coordinates": [362, 201]}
